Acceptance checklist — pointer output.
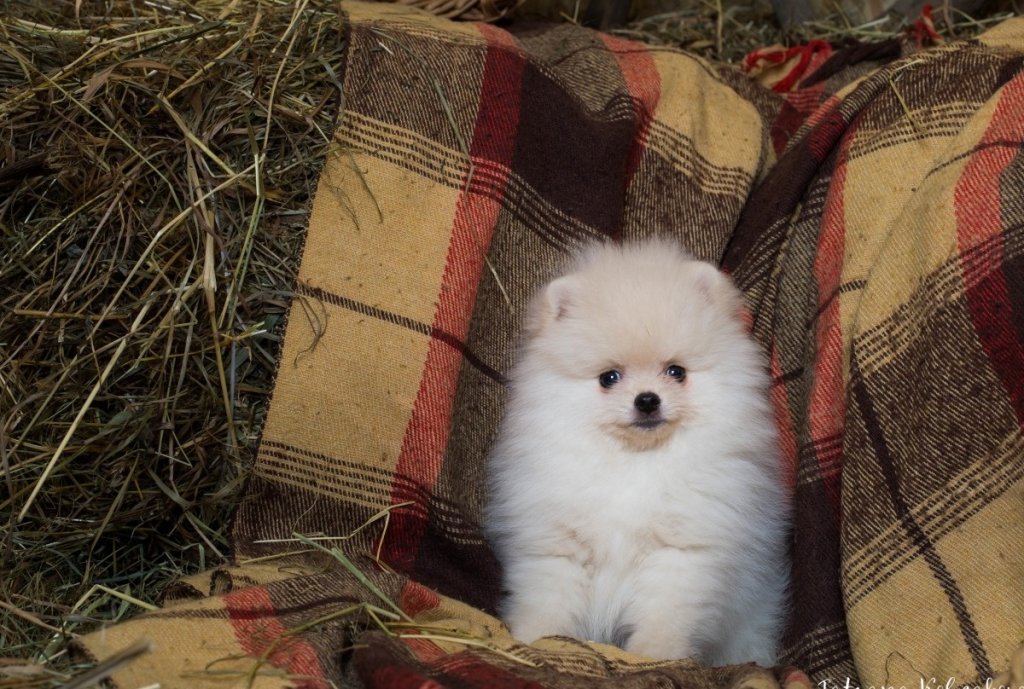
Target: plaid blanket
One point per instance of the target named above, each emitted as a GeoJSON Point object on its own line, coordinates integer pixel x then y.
{"type": "Point", "coordinates": [873, 218]}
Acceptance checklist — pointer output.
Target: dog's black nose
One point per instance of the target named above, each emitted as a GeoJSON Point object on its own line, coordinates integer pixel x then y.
{"type": "Point", "coordinates": [647, 402]}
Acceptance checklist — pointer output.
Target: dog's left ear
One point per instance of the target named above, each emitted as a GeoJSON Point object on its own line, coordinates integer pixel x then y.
{"type": "Point", "coordinates": [717, 287]}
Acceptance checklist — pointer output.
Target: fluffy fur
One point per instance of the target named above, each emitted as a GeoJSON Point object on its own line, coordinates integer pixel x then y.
{"type": "Point", "coordinates": [662, 531]}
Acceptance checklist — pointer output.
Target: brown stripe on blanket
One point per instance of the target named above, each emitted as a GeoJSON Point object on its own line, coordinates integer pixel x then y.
{"type": "Point", "coordinates": [522, 204]}
{"type": "Point", "coordinates": [687, 211]}
{"type": "Point", "coordinates": [493, 180]}
{"type": "Point", "coordinates": [358, 483]}
{"type": "Point", "coordinates": [396, 319]}
{"type": "Point", "coordinates": [325, 481]}
{"type": "Point", "coordinates": [578, 64]}
{"type": "Point", "coordinates": [824, 653]}
{"type": "Point", "coordinates": [558, 140]}
{"type": "Point", "coordinates": [434, 82]}
{"type": "Point", "coordinates": [413, 151]}
{"type": "Point", "coordinates": [971, 78]}
{"type": "Point", "coordinates": [679, 150]}
{"type": "Point", "coordinates": [274, 510]}
{"type": "Point", "coordinates": [944, 120]}
{"type": "Point", "coordinates": [878, 344]}
{"type": "Point", "coordinates": [815, 587]}
{"type": "Point", "coordinates": [370, 480]}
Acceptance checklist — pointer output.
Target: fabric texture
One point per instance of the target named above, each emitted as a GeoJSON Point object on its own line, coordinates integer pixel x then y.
{"type": "Point", "coordinates": [874, 219]}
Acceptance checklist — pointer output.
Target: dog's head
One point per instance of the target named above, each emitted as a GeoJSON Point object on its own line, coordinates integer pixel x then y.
{"type": "Point", "coordinates": [631, 340]}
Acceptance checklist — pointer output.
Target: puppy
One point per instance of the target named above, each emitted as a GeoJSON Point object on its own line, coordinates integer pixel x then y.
{"type": "Point", "coordinates": [636, 493]}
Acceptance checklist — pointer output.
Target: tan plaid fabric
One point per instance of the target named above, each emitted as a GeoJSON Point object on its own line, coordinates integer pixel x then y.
{"type": "Point", "coordinates": [883, 257]}
{"type": "Point", "coordinates": [469, 161]}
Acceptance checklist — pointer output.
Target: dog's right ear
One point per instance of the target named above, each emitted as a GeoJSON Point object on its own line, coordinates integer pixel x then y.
{"type": "Point", "coordinates": [554, 303]}
{"type": "Point", "coordinates": [560, 296]}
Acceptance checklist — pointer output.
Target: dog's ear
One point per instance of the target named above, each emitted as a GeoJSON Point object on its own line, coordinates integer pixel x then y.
{"type": "Point", "coordinates": [717, 287]}
{"type": "Point", "coordinates": [554, 303]}
{"type": "Point", "coordinates": [561, 296]}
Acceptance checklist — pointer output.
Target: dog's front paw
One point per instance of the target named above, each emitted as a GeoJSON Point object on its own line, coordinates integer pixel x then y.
{"type": "Point", "coordinates": [531, 620]}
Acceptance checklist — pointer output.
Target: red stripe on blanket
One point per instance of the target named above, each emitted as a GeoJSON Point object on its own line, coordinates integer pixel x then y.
{"type": "Point", "coordinates": [397, 677]}
{"type": "Point", "coordinates": [259, 631]}
{"type": "Point", "coordinates": [827, 407]}
{"type": "Point", "coordinates": [426, 435]}
{"type": "Point", "coordinates": [828, 126]}
{"type": "Point", "coordinates": [796, 109]}
{"type": "Point", "coordinates": [643, 82]}
{"type": "Point", "coordinates": [416, 598]}
{"type": "Point", "coordinates": [978, 202]}
{"type": "Point", "coordinates": [425, 650]}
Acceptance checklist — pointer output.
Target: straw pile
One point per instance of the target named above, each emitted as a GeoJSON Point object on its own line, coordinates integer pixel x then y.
{"type": "Point", "coordinates": [155, 168]}
{"type": "Point", "coordinates": [156, 163]}
{"type": "Point", "coordinates": [726, 30]}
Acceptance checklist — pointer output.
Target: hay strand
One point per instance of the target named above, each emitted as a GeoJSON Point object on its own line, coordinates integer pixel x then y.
{"type": "Point", "coordinates": [109, 666]}
{"type": "Point", "coordinates": [82, 411]}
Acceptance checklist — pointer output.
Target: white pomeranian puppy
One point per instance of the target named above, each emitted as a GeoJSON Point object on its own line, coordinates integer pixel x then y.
{"type": "Point", "coordinates": [636, 493]}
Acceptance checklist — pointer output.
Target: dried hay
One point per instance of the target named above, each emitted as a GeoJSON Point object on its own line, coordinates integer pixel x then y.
{"type": "Point", "coordinates": [156, 163]}
{"type": "Point", "coordinates": [466, 10]}
{"type": "Point", "coordinates": [726, 30]}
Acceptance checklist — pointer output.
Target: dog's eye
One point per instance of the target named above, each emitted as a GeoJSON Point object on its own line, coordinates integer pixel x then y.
{"type": "Point", "coordinates": [677, 372]}
{"type": "Point", "coordinates": [609, 378]}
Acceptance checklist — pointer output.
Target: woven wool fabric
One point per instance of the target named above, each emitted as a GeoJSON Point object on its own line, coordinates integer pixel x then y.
{"type": "Point", "coordinates": [881, 255]}
{"type": "Point", "coordinates": [883, 259]}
